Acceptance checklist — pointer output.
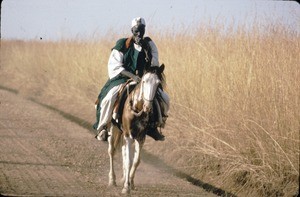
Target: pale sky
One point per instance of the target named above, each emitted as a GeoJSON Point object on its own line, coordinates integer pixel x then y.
{"type": "Point", "coordinates": [56, 19]}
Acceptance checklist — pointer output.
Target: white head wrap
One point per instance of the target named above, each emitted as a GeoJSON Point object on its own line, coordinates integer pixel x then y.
{"type": "Point", "coordinates": [138, 21]}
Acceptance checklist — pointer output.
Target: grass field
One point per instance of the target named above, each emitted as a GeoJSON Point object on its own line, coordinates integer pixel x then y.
{"type": "Point", "coordinates": [235, 99]}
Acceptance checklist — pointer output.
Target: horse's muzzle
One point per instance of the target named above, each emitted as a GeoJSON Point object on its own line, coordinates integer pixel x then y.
{"type": "Point", "coordinates": [147, 107]}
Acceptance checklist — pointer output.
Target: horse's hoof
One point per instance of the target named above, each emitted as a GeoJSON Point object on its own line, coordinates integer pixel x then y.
{"type": "Point", "coordinates": [133, 188]}
{"type": "Point", "coordinates": [125, 191]}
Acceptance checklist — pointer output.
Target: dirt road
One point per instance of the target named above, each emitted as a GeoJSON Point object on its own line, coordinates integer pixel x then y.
{"type": "Point", "coordinates": [42, 153]}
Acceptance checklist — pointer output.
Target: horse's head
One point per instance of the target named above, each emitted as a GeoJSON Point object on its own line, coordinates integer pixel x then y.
{"type": "Point", "coordinates": [150, 81]}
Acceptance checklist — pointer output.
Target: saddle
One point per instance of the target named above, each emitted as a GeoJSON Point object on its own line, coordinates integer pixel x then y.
{"type": "Point", "coordinates": [124, 91]}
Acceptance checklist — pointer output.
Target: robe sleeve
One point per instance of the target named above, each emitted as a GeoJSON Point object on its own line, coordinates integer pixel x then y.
{"type": "Point", "coordinates": [115, 63]}
{"type": "Point", "coordinates": [154, 52]}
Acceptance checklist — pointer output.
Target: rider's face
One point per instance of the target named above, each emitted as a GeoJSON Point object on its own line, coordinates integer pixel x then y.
{"type": "Point", "coordinates": [138, 32]}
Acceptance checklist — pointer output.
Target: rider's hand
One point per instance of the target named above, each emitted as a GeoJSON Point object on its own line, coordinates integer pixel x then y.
{"type": "Point", "coordinates": [130, 75]}
{"type": "Point", "coordinates": [136, 78]}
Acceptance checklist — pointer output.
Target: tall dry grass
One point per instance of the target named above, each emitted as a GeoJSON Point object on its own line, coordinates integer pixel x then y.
{"type": "Point", "coordinates": [234, 118]}
{"type": "Point", "coordinates": [237, 97]}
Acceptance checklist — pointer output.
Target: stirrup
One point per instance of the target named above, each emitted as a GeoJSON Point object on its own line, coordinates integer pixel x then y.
{"type": "Point", "coordinates": [102, 136]}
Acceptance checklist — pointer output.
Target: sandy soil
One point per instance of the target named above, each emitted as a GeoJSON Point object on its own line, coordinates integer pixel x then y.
{"type": "Point", "coordinates": [43, 153]}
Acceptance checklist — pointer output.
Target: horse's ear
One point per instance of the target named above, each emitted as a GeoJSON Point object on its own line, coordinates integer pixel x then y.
{"type": "Point", "coordinates": [162, 68]}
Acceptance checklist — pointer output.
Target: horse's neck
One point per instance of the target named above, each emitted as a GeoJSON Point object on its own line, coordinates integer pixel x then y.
{"type": "Point", "coordinates": [137, 99]}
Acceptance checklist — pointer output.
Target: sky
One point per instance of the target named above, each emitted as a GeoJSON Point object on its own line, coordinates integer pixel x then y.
{"type": "Point", "coordinates": [58, 19]}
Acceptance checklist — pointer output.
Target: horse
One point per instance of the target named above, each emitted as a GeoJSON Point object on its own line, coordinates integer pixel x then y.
{"type": "Point", "coordinates": [135, 121]}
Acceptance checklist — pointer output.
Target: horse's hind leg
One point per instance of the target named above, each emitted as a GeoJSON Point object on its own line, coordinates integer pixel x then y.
{"type": "Point", "coordinates": [111, 152]}
{"type": "Point", "coordinates": [123, 162]}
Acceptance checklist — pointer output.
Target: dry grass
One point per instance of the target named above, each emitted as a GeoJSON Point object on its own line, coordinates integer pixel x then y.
{"type": "Point", "coordinates": [234, 119]}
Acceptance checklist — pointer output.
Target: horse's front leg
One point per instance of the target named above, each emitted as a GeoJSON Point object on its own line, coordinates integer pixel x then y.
{"type": "Point", "coordinates": [111, 153]}
{"type": "Point", "coordinates": [136, 161]}
{"type": "Point", "coordinates": [127, 161]}
{"type": "Point", "coordinates": [124, 166]}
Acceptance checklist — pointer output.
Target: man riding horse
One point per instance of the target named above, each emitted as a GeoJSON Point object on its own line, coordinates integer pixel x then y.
{"type": "Point", "coordinates": [128, 60]}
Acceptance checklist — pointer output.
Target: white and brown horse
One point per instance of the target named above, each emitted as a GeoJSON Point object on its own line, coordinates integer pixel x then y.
{"type": "Point", "coordinates": [135, 121]}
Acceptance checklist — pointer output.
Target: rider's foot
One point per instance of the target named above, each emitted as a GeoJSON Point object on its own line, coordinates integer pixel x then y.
{"type": "Point", "coordinates": [155, 134]}
{"type": "Point", "coordinates": [102, 136]}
